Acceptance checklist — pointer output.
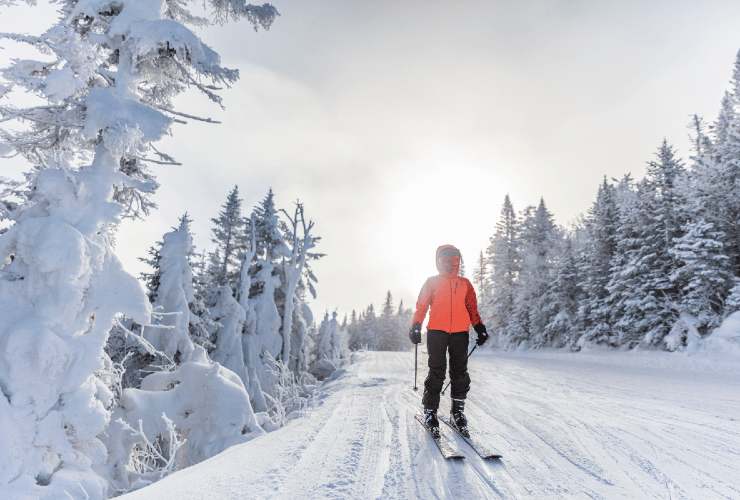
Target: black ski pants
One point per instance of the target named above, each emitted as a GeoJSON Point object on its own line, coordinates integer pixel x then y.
{"type": "Point", "coordinates": [438, 342]}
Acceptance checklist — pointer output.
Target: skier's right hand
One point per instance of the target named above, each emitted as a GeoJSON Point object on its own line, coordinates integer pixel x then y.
{"type": "Point", "coordinates": [480, 329]}
{"type": "Point", "coordinates": [415, 333]}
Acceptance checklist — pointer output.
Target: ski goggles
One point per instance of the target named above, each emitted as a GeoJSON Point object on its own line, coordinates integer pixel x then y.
{"type": "Point", "coordinates": [449, 252]}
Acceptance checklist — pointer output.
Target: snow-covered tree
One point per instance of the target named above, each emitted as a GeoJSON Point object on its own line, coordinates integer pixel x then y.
{"type": "Point", "coordinates": [104, 92]}
{"type": "Point", "coordinates": [390, 334]}
{"type": "Point", "coordinates": [480, 278]}
{"type": "Point", "coordinates": [703, 274]}
{"type": "Point", "coordinates": [301, 241]}
{"type": "Point", "coordinates": [229, 237]}
{"type": "Point", "coordinates": [727, 159]}
{"type": "Point", "coordinates": [538, 239]}
{"type": "Point", "coordinates": [732, 303]}
{"type": "Point", "coordinates": [331, 347]}
{"type": "Point", "coordinates": [174, 294]}
{"type": "Point", "coordinates": [369, 328]}
{"type": "Point", "coordinates": [503, 262]}
{"type": "Point", "coordinates": [200, 405]}
{"type": "Point", "coordinates": [601, 226]}
{"type": "Point", "coordinates": [562, 298]}
{"type": "Point", "coordinates": [269, 236]}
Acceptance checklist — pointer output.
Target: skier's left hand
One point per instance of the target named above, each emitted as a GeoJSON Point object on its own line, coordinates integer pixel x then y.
{"type": "Point", "coordinates": [480, 329]}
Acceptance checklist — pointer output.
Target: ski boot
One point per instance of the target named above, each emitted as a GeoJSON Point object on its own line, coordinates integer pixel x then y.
{"type": "Point", "coordinates": [457, 416]}
{"type": "Point", "coordinates": [431, 422]}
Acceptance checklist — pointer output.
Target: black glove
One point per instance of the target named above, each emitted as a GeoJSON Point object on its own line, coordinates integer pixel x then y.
{"type": "Point", "coordinates": [480, 329]}
{"type": "Point", "coordinates": [415, 333]}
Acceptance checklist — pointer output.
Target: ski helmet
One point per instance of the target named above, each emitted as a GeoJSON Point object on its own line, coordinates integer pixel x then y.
{"type": "Point", "coordinates": [448, 260]}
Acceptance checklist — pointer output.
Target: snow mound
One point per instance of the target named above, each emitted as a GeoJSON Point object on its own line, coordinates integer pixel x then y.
{"type": "Point", "coordinates": [725, 339]}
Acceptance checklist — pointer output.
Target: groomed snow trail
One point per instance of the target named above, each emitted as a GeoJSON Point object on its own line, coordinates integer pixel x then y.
{"type": "Point", "coordinates": [568, 427]}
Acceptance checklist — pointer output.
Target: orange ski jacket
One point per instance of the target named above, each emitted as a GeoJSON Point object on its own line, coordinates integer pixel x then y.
{"type": "Point", "coordinates": [454, 306]}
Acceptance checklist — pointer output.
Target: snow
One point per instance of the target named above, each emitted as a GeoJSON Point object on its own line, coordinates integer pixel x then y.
{"type": "Point", "coordinates": [174, 294]}
{"type": "Point", "coordinates": [598, 424]}
{"type": "Point", "coordinates": [725, 340]}
{"type": "Point", "coordinates": [106, 109]}
{"type": "Point", "coordinates": [148, 36]}
{"type": "Point", "coordinates": [187, 395]}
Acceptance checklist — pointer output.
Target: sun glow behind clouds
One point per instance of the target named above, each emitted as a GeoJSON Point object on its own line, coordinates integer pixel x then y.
{"type": "Point", "coordinates": [444, 198]}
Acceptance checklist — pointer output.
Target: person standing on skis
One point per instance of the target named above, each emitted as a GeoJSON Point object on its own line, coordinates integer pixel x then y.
{"type": "Point", "coordinates": [454, 307]}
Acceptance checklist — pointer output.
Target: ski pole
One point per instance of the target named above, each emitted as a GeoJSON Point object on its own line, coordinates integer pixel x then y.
{"type": "Point", "coordinates": [448, 383]}
{"type": "Point", "coordinates": [416, 364]}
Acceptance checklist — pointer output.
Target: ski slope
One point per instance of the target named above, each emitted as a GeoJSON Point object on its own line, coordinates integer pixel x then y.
{"type": "Point", "coordinates": [569, 426]}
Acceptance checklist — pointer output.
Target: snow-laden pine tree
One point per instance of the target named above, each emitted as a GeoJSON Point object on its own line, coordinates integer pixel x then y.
{"type": "Point", "coordinates": [480, 279]}
{"type": "Point", "coordinates": [369, 329]}
{"type": "Point", "coordinates": [388, 333]}
{"type": "Point", "coordinates": [224, 282]}
{"type": "Point", "coordinates": [732, 302]}
{"type": "Point", "coordinates": [270, 249]}
{"type": "Point", "coordinates": [601, 227]}
{"type": "Point", "coordinates": [703, 273]}
{"type": "Point", "coordinates": [727, 156]}
{"type": "Point", "coordinates": [268, 232]}
{"type": "Point", "coordinates": [229, 236]}
{"type": "Point", "coordinates": [562, 298]}
{"type": "Point", "coordinates": [703, 276]}
{"type": "Point", "coordinates": [662, 219]}
{"type": "Point", "coordinates": [104, 93]}
{"type": "Point", "coordinates": [625, 275]}
{"type": "Point", "coordinates": [641, 296]}
{"type": "Point", "coordinates": [538, 241]}
{"type": "Point", "coordinates": [173, 294]}
{"type": "Point", "coordinates": [332, 348]}
{"type": "Point", "coordinates": [324, 361]}
{"type": "Point", "coordinates": [503, 263]}
{"type": "Point", "coordinates": [402, 321]}
{"type": "Point", "coordinates": [648, 306]}
{"type": "Point", "coordinates": [354, 332]}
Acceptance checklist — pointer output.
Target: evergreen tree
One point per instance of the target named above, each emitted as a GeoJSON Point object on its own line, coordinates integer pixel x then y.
{"type": "Point", "coordinates": [228, 234]}
{"type": "Point", "coordinates": [732, 303]}
{"type": "Point", "coordinates": [704, 274]}
{"type": "Point", "coordinates": [267, 229]}
{"type": "Point", "coordinates": [648, 297]}
{"type": "Point", "coordinates": [387, 327]}
{"type": "Point", "coordinates": [563, 296]}
{"type": "Point", "coordinates": [353, 330]}
{"type": "Point", "coordinates": [151, 279]}
{"type": "Point", "coordinates": [624, 274]}
{"type": "Point", "coordinates": [370, 329]}
{"type": "Point", "coordinates": [727, 158]}
{"type": "Point", "coordinates": [503, 262]}
{"type": "Point", "coordinates": [601, 227]}
{"type": "Point", "coordinates": [480, 279]}
{"type": "Point", "coordinates": [537, 239]}
{"type": "Point", "coordinates": [173, 294]}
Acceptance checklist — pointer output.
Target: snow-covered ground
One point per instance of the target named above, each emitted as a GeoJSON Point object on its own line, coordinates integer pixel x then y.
{"type": "Point", "coordinates": [614, 425]}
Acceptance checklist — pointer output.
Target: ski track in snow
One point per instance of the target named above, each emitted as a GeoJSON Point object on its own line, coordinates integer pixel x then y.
{"type": "Point", "coordinates": [566, 430]}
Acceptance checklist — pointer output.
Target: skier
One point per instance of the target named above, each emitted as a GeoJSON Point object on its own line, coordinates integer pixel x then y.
{"type": "Point", "coordinates": [454, 308]}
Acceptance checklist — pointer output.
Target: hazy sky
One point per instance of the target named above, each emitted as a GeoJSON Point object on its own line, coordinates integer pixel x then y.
{"type": "Point", "coordinates": [402, 125]}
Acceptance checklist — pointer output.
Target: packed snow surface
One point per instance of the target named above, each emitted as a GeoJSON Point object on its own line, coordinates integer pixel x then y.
{"type": "Point", "coordinates": [588, 425]}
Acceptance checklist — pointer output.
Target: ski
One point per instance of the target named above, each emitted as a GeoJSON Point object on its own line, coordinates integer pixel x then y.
{"type": "Point", "coordinates": [482, 450]}
{"type": "Point", "coordinates": [444, 443]}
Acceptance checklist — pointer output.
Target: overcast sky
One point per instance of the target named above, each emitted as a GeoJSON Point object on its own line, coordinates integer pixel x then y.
{"type": "Point", "coordinates": [403, 124]}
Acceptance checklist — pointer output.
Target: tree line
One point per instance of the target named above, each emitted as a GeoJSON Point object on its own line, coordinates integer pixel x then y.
{"type": "Point", "coordinates": [654, 262]}
{"type": "Point", "coordinates": [379, 331]}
